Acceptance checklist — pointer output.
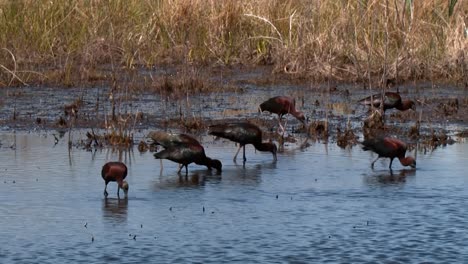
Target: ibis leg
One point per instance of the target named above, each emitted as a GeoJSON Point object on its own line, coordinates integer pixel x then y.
{"type": "Point", "coordinates": [235, 156]}
{"type": "Point", "coordinates": [284, 128]}
{"type": "Point", "coordinates": [281, 129]}
{"type": "Point", "coordinates": [245, 159]}
{"type": "Point", "coordinates": [372, 164]}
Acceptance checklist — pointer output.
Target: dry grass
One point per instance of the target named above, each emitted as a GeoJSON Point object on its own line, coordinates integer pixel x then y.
{"type": "Point", "coordinates": [67, 42]}
{"type": "Point", "coordinates": [179, 84]}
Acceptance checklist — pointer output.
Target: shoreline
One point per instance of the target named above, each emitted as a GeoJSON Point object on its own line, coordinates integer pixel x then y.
{"type": "Point", "coordinates": [189, 101]}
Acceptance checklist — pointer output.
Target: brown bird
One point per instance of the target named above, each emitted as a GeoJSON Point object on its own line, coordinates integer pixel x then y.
{"type": "Point", "coordinates": [390, 100]}
{"type": "Point", "coordinates": [388, 147]}
{"type": "Point", "coordinates": [115, 171]}
{"type": "Point", "coordinates": [243, 133]}
{"type": "Point", "coordinates": [183, 149]}
{"type": "Point", "coordinates": [282, 105]}
{"type": "Point", "coordinates": [168, 140]}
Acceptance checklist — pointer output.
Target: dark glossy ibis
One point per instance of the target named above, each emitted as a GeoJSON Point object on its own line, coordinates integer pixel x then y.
{"type": "Point", "coordinates": [388, 147]}
{"type": "Point", "coordinates": [243, 133]}
{"type": "Point", "coordinates": [391, 100]}
{"type": "Point", "coordinates": [183, 149]}
{"type": "Point", "coordinates": [115, 171]}
{"type": "Point", "coordinates": [168, 140]}
{"type": "Point", "coordinates": [282, 105]}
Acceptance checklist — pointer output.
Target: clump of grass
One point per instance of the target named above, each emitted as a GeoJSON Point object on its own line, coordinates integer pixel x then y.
{"type": "Point", "coordinates": [318, 130]}
{"type": "Point", "coordinates": [181, 83]}
{"type": "Point", "coordinates": [69, 42]}
{"type": "Point", "coordinates": [346, 138]}
{"type": "Point", "coordinates": [117, 134]}
{"type": "Point", "coordinates": [118, 138]}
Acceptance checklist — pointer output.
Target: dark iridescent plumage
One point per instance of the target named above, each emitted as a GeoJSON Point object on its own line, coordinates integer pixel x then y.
{"type": "Point", "coordinates": [282, 105]}
{"type": "Point", "coordinates": [168, 140]}
{"type": "Point", "coordinates": [183, 149]}
{"type": "Point", "coordinates": [243, 133]}
{"type": "Point", "coordinates": [115, 171]}
{"type": "Point", "coordinates": [388, 147]}
{"type": "Point", "coordinates": [390, 99]}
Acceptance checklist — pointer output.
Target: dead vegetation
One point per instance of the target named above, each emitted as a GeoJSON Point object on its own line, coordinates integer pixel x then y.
{"type": "Point", "coordinates": [71, 43]}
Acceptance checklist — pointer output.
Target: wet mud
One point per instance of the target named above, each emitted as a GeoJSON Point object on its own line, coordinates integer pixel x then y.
{"type": "Point", "coordinates": [192, 104]}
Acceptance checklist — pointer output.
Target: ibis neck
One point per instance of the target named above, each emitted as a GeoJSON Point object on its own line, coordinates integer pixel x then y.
{"type": "Point", "coordinates": [407, 161]}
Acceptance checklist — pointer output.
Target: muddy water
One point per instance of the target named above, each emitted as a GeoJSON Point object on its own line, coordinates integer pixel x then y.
{"type": "Point", "coordinates": [314, 205]}
{"type": "Point", "coordinates": [439, 108]}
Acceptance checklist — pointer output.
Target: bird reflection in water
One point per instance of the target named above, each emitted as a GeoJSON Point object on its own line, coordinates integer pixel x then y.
{"type": "Point", "coordinates": [250, 175]}
{"type": "Point", "coordinates": [390, 177]}
{"type": "Point", "coordinates": [115, 209]}
{"type": "Point", "coordinates": [194, 179]}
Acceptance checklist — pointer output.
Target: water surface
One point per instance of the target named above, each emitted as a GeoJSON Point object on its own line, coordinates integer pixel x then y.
{"type": "Point", "coordinates": [320, 204]}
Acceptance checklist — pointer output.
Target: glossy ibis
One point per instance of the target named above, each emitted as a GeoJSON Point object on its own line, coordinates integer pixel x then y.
{"type": "Point", "coordinates": [115, 171]}
{"type": "Point", "coordinates": [243, 133]}
{"type": "Point", "coordinates": [183, 149]}
{"type": "Point", "coordinates": [282, 105]}
{"type": "Point", "coordinates": [391, 100]}
{"type": "Point", "coordinates": [388, 147]}
{"type": "Point", "coordinates": [168, 140]}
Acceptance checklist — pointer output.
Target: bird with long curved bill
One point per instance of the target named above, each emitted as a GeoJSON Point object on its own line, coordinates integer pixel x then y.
{"type": "Point", "coordinates": [183, 149]}
{"type": "Point", "coordinates": [389, 147]}
{"type": "Point", "coordinates": [171, 140]}
{"type": "Point", "coordinates": [115, 171]}
{"type": "Point", "coordinates": [282, 105]}
{"type": "Point", "coordinates": [243, 133]}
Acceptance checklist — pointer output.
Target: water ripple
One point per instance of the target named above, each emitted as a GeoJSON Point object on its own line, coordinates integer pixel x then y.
{"type": "Point", "coordinates": [317, 205]}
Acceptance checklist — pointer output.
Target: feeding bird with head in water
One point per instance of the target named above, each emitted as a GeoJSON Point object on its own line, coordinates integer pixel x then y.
{"type": "Point", "coordinates": [243, 133]}
{"type": "Point", "coordinates": [183, 149]}
{"type": "Point", "coordinates": [115, 171]}
{"type": "Point", "coordinates": [389, 147]}
{"type": "Point", "coordinates": [169, 140]}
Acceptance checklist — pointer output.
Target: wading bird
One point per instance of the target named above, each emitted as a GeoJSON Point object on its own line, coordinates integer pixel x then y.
{"type": "Point", "coordinates": [388, 147]}
{"type": "Point", "coordinates": [243, 133]}
{"type": "Point", "coordinates": [115, 171]}
{"type": "Point", "coordinates": [282, 105]}
{"type": "Point", "coordinates": [169, 140]}
{"type": "Point", "coordinates": [390, 100]}
{"type": "Point", "coordinates": [183, 149]}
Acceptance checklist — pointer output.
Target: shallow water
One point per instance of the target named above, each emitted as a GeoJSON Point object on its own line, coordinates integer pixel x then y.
{"type": "Point", "coordinates": [321, 204]}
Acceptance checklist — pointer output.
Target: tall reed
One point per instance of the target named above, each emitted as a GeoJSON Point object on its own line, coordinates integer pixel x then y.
{"type": "Point", "coordinates": [67, 40]}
